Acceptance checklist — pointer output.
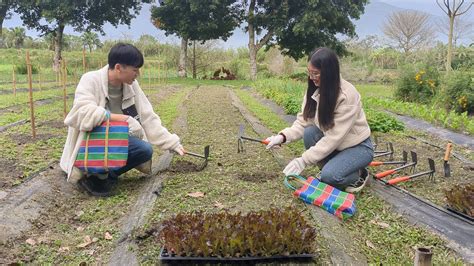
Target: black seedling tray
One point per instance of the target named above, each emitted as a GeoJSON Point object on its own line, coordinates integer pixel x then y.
{"type": "Point", "coordinates": [166, 258]}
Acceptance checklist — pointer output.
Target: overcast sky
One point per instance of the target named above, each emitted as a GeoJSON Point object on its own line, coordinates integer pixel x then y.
{"type": "Point", "coordinates": [142, 24]}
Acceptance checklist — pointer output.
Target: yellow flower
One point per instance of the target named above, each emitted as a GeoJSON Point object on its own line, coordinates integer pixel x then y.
{"type": "Point", "coordinates": [463, 101]}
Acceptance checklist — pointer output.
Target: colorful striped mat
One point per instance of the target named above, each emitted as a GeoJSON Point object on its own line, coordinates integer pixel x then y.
{"type": "Point", "coordinates": [313, 191]}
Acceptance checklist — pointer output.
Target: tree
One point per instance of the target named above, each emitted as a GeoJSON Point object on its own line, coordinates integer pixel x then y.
{"type": "Point", "coordinates": [18, 36]}
{"type": "Point", "coordinates": [461, 29]}
{"type": "Point", "coordinates": [91, 40]}
{"type": "Point", "coordinates": [53, 15]}
{"type": "Point", "coordinates": [195, 20]}
{"type": "Point", "coordinates": [452, 10]}
{"type": "Point", "coordinates": [408, 29]}
{"type": "Point", "coordinates": [297, 28]}
{"type": "Point", "coordinates": [5, 7]}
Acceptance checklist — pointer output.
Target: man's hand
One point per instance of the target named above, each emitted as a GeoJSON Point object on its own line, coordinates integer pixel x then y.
{"type": "Point", "coordinates": [295, 167]}
{"type": "Point", "coordinates": [134, 128]}
{"type": "Point", "coordinates": [179, 150]}
{"type": "Point", "coordinates": [274, 140]}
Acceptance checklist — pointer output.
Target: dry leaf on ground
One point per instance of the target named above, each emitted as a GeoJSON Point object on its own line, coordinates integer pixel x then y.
{"type": "Point", "coordinates": [196, 194]}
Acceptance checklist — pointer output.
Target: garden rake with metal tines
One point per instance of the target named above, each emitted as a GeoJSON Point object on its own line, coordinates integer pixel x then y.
{"type": "Point", "coordinates": [377, 163]}
{"type": "Point", "coordinates": [414, 161]}
{"type": "Point", "coordinates": [384, 153]}
{"type": "Point", "coordinates": [409, 177]}
{"type": "Point", "coordinates": [241, 138]}
{"type": "Point", "coordinates": [205, 156]}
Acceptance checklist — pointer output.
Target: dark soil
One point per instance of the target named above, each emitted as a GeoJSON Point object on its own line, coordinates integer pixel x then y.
{"type": "Point", "coordinates": [258, 177]}
{"type": "Point", "coordinates": [22, 139]}
{"type": "Point", "coordinates": [10, 174]}
{"type": "Point", "coordinates": [182, 166]}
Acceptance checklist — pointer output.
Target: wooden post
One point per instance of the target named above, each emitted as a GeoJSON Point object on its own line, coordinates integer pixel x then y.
{"type": "Point", "coordinates": [149, 78]}
{"type": "Point", "coordinates": [30, 87]}
{"type": "Point", "coordinates": [423, 257]}
{"type": "Point", "coordinates": [14, 81]}
{"type": "Point", "coordinates": [39, 77]}
{"type": "Point", "coordinates": [83, 60]}
{"type": "Point", "coordinates": [64, 79]}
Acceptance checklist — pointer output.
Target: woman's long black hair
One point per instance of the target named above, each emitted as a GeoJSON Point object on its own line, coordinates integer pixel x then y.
{"type": "Point", "coordinates": [325, 60]}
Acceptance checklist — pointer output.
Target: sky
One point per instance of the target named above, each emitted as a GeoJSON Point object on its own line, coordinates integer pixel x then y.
{"type": "Point", "coordinates": [142, 24]}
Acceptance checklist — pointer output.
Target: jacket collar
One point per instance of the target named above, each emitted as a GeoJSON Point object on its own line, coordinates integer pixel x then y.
{"type": "Point", "coordinates": [127, 89]}
{"type": "Point", "coordinates": [315, 95]}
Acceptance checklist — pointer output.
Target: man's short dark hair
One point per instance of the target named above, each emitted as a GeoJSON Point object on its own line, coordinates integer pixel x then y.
{"type": "Point", "coordinates": [125, 54]}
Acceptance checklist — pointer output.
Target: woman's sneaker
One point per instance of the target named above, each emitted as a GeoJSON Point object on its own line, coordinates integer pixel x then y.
{"type": "Point", "coordinates": [96, 186]}
{"type": "Point", "coordinates": [360, 183]}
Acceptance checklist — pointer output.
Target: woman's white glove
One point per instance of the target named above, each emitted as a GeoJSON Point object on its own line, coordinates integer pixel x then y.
{"type": "Point", "coordinates": [274, 140]}
{"type": "Point", "coordinates": [179, 150]}
{"type": "Point", "coordinates": [134, 128]}
{"type": "Point", "coordinates": [295, 167]}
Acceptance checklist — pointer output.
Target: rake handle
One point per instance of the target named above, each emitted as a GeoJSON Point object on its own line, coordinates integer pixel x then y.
{"type": "Point", "coordinates": [398, 180]}
{"type": "Point", "coordinates": [194, 154]}
{"type": "Point", "coordinates": [256, 140]}
{"type": "Point", "coordinates": [375, 163]}
{"type": "Point", "coordinates": [448, 151]}
{"type": "Point", "coordinates": [384, 173]}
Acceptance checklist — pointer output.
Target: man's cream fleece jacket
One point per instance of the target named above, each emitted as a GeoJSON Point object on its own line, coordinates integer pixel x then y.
{"type": "Point", "coordinates": [88, 111]}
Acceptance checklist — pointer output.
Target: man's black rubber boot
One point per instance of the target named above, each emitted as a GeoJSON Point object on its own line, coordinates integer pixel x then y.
{"type": "Point", "coordinates": [96, 186]}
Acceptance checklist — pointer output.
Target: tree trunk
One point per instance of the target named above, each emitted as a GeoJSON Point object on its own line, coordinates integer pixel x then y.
{"type": "Point", "coordinates": [58, 47]}
{"type": "Point", "coordinates": [450, 43]}
{"type": "Point", "coordinates": [3, 13]}
{"type": "Point", "coordinates": [252, 46]}
{"type": "Point", "coordinates": [194, 60]}
{"type": "Point", "coordinates": [182, 58]}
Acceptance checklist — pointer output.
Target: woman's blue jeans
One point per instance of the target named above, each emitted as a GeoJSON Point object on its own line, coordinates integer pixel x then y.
{"type": "Point", "coordinates": [341, 168]}
{"type": "Point", "coordinates": [139, 151]}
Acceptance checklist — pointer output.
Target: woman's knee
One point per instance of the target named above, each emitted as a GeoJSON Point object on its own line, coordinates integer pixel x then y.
{"type": "Point", "coordinates": [332, 178]}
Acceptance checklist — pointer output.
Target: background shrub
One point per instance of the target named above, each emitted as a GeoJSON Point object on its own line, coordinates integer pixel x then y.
{"type": "Point", "coordinates": [417, 85]}
{"type": "Point", "coordinates": [459, 91]}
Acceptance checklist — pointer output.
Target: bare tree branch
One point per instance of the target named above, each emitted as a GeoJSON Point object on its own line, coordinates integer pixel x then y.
{"type": "Point", "coordinates": [408, 29]}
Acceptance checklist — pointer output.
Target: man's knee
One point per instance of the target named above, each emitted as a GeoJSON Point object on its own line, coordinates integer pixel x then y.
{"type": "Point", "coordinates": [146, 151]}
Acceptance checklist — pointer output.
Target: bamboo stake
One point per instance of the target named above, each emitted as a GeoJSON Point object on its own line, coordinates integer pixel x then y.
{"type": "Point", "coordinates": [30, 87]}
{"type": "Point", "coordinates": [149, 78]}
{"type": "Point", "coordinates": [14, 81]}
{"type": "Point", "coordinates": [64, 87]}
{"type": "Point", "coordinates": [39, 77]}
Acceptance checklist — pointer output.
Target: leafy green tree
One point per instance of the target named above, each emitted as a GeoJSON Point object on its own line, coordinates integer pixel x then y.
{"type": "Point", "coordinates": [5, 7]}
{"type": "Point", "coordinates": [53, 15]}
{"type": "Point", "coordinates": [18, 36]}
{"type": "Point", "coordinates": [195, 20]}
{"type": "Point", "coordinates": [91, 40]}
{"type": "Point", "coordinates": [299, 26]}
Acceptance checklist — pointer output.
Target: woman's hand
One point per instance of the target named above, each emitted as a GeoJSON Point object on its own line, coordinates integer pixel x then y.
{"type": "Point", "coordinates": [295, 167]}
{"type": "Point", "coordinates": [274, 140]}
